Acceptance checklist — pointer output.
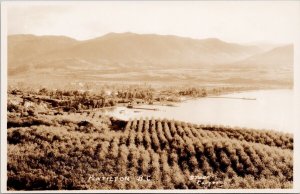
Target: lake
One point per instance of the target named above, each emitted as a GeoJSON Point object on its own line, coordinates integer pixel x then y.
{"type": "Point", "coordinates": [262, 109]}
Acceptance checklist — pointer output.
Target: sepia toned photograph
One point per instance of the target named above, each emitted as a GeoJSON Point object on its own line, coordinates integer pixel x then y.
{"type": "Point", "coordinates": [149, 95]}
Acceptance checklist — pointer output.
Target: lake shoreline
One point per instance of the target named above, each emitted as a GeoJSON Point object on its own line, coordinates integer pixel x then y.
{"type": "Point", "coordinates": [232, 98]}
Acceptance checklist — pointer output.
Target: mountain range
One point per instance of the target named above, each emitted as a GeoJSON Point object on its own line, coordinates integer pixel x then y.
{"type": "Point", "coordinates": [129, 52]}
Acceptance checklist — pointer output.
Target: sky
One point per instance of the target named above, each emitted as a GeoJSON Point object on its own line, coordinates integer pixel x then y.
{"type": "Point", "coordinates": [231, 21]}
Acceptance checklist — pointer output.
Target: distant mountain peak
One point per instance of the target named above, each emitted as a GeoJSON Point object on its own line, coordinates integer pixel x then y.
{"type": "Point", "coordinates": [213, 40]}
{"type": "Point", "coordinates": [118, 34]}
{"type": "Point", "coordinates": [127, 48]}
{"type": "Point", "coordinates": [144, 54]}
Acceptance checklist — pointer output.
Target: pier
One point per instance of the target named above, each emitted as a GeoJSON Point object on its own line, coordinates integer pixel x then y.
{"type": "Point", "coordinates": [240, 98]}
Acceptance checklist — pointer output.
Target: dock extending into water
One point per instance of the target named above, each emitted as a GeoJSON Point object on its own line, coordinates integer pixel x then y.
{"type": "Point", "coordinates": [240, 98]}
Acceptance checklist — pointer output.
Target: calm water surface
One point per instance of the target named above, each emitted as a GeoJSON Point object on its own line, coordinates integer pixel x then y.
{"type": "Point", "coordinates": [271, 109]}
